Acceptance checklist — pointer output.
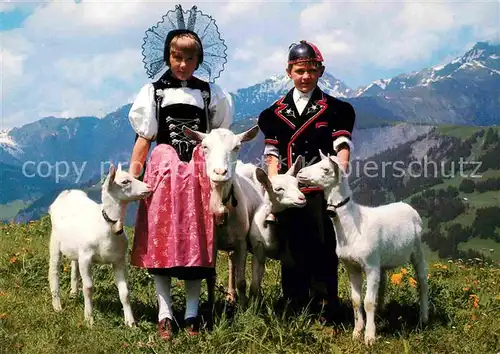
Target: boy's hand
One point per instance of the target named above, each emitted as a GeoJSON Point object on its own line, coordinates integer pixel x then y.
{"type": "Point", "coordinates": [271, 219]}
{"type": "Point", "coordinates": [272, 165]}
{"type": "Point", "coordinates": [344, 155]}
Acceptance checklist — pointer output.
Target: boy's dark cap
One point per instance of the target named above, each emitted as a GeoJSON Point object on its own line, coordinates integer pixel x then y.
{"type": "Point", "coordinates": [302, 52]}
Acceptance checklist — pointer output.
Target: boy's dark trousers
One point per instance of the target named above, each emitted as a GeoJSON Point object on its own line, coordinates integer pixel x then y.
{"type": "Point", "coordinates": [312, 246]}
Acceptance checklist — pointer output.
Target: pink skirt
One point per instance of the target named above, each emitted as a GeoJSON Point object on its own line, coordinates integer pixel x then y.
{"type": "Point", "coordinates": [174, 228]}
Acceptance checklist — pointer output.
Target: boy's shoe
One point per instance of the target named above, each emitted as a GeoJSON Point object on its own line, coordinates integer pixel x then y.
{"type": "Point", "coordinates": [192, 326]}
{"type": "Point", "coordinates": [332, 312]}
{"type": "Point", "coordinates": [165, 329]}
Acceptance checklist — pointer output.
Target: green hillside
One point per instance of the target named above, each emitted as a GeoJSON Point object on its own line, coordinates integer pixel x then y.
{"type": "Point", "coordinates": [458, 196]}
{"type": "Point", "coordinates": [464, 310]}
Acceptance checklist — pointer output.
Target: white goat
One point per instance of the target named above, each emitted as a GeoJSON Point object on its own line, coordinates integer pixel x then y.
{"type": "Point", "coordinates": [369, 239]}
{"type": "Point", "coordinates": [87, 232]}
{"type": "Point", "coordinates": [281, 192]}
{"type": "Point", "coordinates": [232, 195]}
{"type": "Point", "coordinates": [248, 170]}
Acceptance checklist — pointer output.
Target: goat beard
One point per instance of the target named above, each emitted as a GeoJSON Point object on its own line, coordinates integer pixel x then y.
{"type": "Point", "coordinates": [216, 206]}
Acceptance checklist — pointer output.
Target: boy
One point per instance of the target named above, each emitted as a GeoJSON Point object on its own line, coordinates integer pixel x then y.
{"type": "Point", "coordinates": [300, 123]}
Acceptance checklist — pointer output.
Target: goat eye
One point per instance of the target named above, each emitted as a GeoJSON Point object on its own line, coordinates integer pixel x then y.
{"type": "Point", "coordinates": [278, 189]}
{"type": "Point", "coordinates": [126, 181]}
{"type": "Point", "coordinates": [325, 169]}
{"type": "Point", "coordinates": [236, 148]}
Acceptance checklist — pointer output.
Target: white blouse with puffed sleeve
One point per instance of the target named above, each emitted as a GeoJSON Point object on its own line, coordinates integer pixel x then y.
{"type": "Point", "coordinates": [142, 115]}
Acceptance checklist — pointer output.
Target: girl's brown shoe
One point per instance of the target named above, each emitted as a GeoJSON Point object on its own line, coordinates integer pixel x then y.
{"type": "Point", "coordinates": [165, 329]}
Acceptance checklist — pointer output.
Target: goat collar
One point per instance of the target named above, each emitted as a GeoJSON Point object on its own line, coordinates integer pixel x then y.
{"type": "Point", "coordinates": [230, 197]}
{"type": "Point", "coordinates": [108, 219]}
{"type": "Point", "coordinates": [331, 208]}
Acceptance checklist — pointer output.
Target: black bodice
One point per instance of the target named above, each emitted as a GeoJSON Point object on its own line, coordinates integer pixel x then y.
{"type": "Point", "coordinates": [173, 117]}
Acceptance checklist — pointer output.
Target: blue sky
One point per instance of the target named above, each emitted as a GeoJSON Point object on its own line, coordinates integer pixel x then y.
{"type": "Point", "coordinates": [15, 17]}
{"type": "Point", "coordinates": [65, 58]}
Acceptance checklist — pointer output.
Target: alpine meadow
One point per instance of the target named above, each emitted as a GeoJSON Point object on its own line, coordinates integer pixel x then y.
{"type": "Point", "coordinates": [426, 133]}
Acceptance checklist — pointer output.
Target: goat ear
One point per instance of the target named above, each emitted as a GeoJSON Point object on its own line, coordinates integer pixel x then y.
{"type": "Point", "coordinates": [112, 173]}
{"type": "Point", "coordinates": [249, 134]}
{"type": "Point", "coordinates": [119, 166]}
{"type": "Point", "coordinates": [335, 166]}
{"type": "Point", "coordinates": [263, 179]}
{"type": "Point", "coordinates": [295, 168]}
{"type": "Point", "coordinates": [323, 156]}
{"type": "Point", "coordinates": [193, 134]}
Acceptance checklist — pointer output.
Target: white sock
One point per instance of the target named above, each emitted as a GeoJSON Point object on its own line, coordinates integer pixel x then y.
{"type": "Point", "coordinates": [163, 285]}
{"type": "Point", "coordinates": [193, 290]}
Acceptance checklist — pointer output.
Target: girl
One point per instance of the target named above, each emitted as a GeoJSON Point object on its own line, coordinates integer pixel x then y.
{"type": "Point", "coordinates": [174, 228]}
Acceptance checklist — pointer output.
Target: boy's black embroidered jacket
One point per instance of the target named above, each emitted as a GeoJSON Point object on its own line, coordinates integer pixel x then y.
{"type": "Point", "coordinates": [324, 120]}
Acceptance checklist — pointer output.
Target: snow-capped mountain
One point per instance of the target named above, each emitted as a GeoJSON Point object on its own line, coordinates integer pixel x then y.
{"type": "Point", "coordinates": [464, 91]}
{"type": "Point", "coordinates": [252, 100]}
{"type": "Point", "coordinates": [9, 149]}
{"type": "Point", "coordinates": [482, 57]}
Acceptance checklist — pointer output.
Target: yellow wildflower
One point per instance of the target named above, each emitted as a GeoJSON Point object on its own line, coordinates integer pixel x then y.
{"type": "Point", "coordinates": [476, 300]}
{"type": "Point", "coordinates": [413, 282]}
{"type": "Point", "coordinates": [404, 271]}
{"type": "Point", "coordinates": [396, 278]}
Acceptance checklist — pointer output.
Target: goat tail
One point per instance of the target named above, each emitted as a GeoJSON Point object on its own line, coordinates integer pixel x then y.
{"type": "Point", "coordinates": [418, 224]}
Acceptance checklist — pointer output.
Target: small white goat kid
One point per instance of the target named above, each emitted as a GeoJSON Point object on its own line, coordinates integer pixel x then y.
{"type": "Point", "coordinates": [369, 239]}
{"type": "Point", "coordinates": [280, 192]}
{"type": "Point", "coordinates": [87, 232]}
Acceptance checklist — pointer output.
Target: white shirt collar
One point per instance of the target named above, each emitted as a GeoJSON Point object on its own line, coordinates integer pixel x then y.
{"type": "Point", "coordinates": [300, 95]}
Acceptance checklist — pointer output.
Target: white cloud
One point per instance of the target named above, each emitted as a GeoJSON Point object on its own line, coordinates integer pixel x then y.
{"type": "Point", "coordinates": [123, 65]}
{"type": "Point", "coordinates": [393, 34]}
{"type": "Point", "coordinates": [11, 63]}
{"type": "Point", "coordinates": [7, 6]}
{"type": "Point", "coordinates": [85, 58]}
{"type": "Point", "coordinates": [91, 18]}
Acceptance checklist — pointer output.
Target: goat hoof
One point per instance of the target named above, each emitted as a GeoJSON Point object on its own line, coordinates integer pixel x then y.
{"type": "Point", "coordinates": [89, 321]}
{"type": "Point", "coordinates": [130, 324]}
{"type": "Point", "coordinates": [369, 340]}
{"type": "Point", "coordinates": [56, 304]}
{"type": "Point", "coordinates": [356, 334]}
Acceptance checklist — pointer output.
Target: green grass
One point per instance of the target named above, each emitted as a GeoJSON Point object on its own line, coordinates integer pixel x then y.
{"type": "Point", "coordinates": [459, 131]}
{"type": "Point", "coordinates": [487, 247]}
{"type": "Point", "coordinates": [9, 210]}
{"type": "Point", "coordinates": [28, 323]}
{"type": "Point", "coordinates": [482, 200]}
